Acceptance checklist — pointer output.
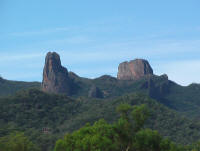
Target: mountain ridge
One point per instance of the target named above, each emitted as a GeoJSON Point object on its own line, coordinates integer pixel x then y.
{"type": "Point", "coordinates": [175, 109]}
{"type": "Point", "coordinates": [184, 99]}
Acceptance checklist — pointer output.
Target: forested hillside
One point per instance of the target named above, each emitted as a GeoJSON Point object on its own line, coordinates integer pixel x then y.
{"type": "Point", "coordinates": [8, 87]}
{"type": "Point", "coordinates": [32, 110]}
{"type": "Point", "coordinates": [41, 113]}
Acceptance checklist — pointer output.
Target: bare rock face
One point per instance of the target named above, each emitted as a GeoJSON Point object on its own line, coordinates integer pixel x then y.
{"type": "Point", "coordinates": [95, 92]}
{"type": "Point", "coordinates": [157, 86]}
{"type": "Point", "coordinates": [134, 69]}
{"type": "Point", "coordinates": [55, 76]}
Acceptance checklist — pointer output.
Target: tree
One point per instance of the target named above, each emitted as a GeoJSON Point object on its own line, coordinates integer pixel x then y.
{"type": "Point", "coordinates": [16, 142]}
{"type": "Point", "coordinates": [123, 110]}
{"type": "Point", "coordinates": [196, 146]}
{"type": "Point", "coordinates": [127, 134]}
{"type": "Point", "coordinates": [139, 114]}
{"type": "Point", "coordinates": [98, 137]}
{"type": "Point", "coordinates": [147, 140]}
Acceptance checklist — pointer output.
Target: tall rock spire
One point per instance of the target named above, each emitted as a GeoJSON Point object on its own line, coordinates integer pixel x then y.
{"type": "Point", "coordinates": [55, 76]}
{"type": "Point", "coordinates": [134, 69]}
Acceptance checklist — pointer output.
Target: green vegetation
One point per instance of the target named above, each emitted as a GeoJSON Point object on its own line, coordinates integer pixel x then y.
{"type": "Point", "coordinates": [8, 87]}
{"type": "Point", "coordinates": [127, 134]}
{"type": "Point", "coordinates": [183, 99]}
{"type": "Point", "coordinates": [32, 110]}
{"type": "Point", "coordinates": [16, 142]}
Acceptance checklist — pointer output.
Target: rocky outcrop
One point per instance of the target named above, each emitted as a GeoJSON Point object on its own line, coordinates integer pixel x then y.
{"type": "Point", "coordinates": [55, 76]}
{"type": "Point", "coordinates": [95, 92]}
{"type": "Point", "coordinates": [134, 69]}
{"type": "Point", "coordinates": [1, 80]}
{"type": "Point", "coordinates": [73, 76]}
{"type": "Point", "coordinates": [157, 86]}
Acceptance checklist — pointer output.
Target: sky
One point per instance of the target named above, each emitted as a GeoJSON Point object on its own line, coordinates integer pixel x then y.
{"type": "Point", "coordinates": [94, 36]}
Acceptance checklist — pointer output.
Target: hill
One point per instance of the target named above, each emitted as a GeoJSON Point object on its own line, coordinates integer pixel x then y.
{"type": "Point", "coordinates": [31, 111]}
{"type": "Point", "coordinates": [183, 99]}
{"type": "Point", "coordinates": [8, 87]}
{"type": "Point", "coordinates": [133, 76]}
{"type": "Point", "coordinates": [64, 102]}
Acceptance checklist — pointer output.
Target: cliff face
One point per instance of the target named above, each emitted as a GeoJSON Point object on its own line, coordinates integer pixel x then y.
{"type": "Point", "coordinates": [57, 79]}
{"type": "Point", "coordinates": [134, 69]}
{"type": "Point", "coordinates": [95, 92]}
{"type": "Point", "coordinates": [55, 76]}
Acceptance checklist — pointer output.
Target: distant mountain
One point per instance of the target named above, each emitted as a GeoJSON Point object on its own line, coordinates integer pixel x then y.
{"type": "Point", "coordinates": [64, 102]}
{"type": "Point", "coordinates": [8, 87]}
{"type": "Point", "coordinates": [134, 76]}
{"type": "Point", "coordinates": [182, 99]}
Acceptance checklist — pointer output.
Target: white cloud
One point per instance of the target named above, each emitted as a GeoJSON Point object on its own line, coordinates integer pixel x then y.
{"type": "Point", "coordinates": [40, 32]}
{"type": "Point", "coordinates": [131, 50]}
{"type": "Point", "coordinates": [70, 40]}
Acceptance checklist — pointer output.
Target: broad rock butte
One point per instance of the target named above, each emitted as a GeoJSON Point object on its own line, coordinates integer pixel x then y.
{"type": "Point", "coordinates": [55, 76]}
{"type": "Point", "coordinates": [134, 70]}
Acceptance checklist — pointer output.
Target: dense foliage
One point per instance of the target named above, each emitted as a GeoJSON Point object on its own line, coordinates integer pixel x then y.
{"type": "Point", "coordinates": [32, 110]}
{"type": "Point", "coordinates": [16, 142]}
{"type": "Point", "coordinates": [127, 134]}
{"type": "Point", "coordinates": [184, 99]}
{"type": "Point", "coordinates": [8, 87]}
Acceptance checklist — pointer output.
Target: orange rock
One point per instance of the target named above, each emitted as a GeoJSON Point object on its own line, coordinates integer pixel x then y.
{"type": "Point", "coordinates": [55, 76]}
{"type": "Point", "coordinates": [134, 69]}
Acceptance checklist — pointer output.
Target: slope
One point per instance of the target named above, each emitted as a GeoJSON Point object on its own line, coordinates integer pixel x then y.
{"type": "Point", "coordinates": [8, 87]}
{"type": "Point", "coordinates": [33, 110]}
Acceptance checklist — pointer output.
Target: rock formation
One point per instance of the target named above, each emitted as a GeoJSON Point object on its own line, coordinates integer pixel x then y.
{"type": "Point", "coordinates": [55, 76]}
{"type": "Point", "coordinates": [134, 69]}
{"type": "Point", "coordinates": [1, 80]}
{"type": "Point", "coordinates": [156, 86]}
{"type": "Point", "coordinates": [95, 92]}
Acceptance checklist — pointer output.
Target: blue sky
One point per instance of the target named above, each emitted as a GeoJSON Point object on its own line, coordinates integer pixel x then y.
{"type": "Point", "coordinates": [93, 37]}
